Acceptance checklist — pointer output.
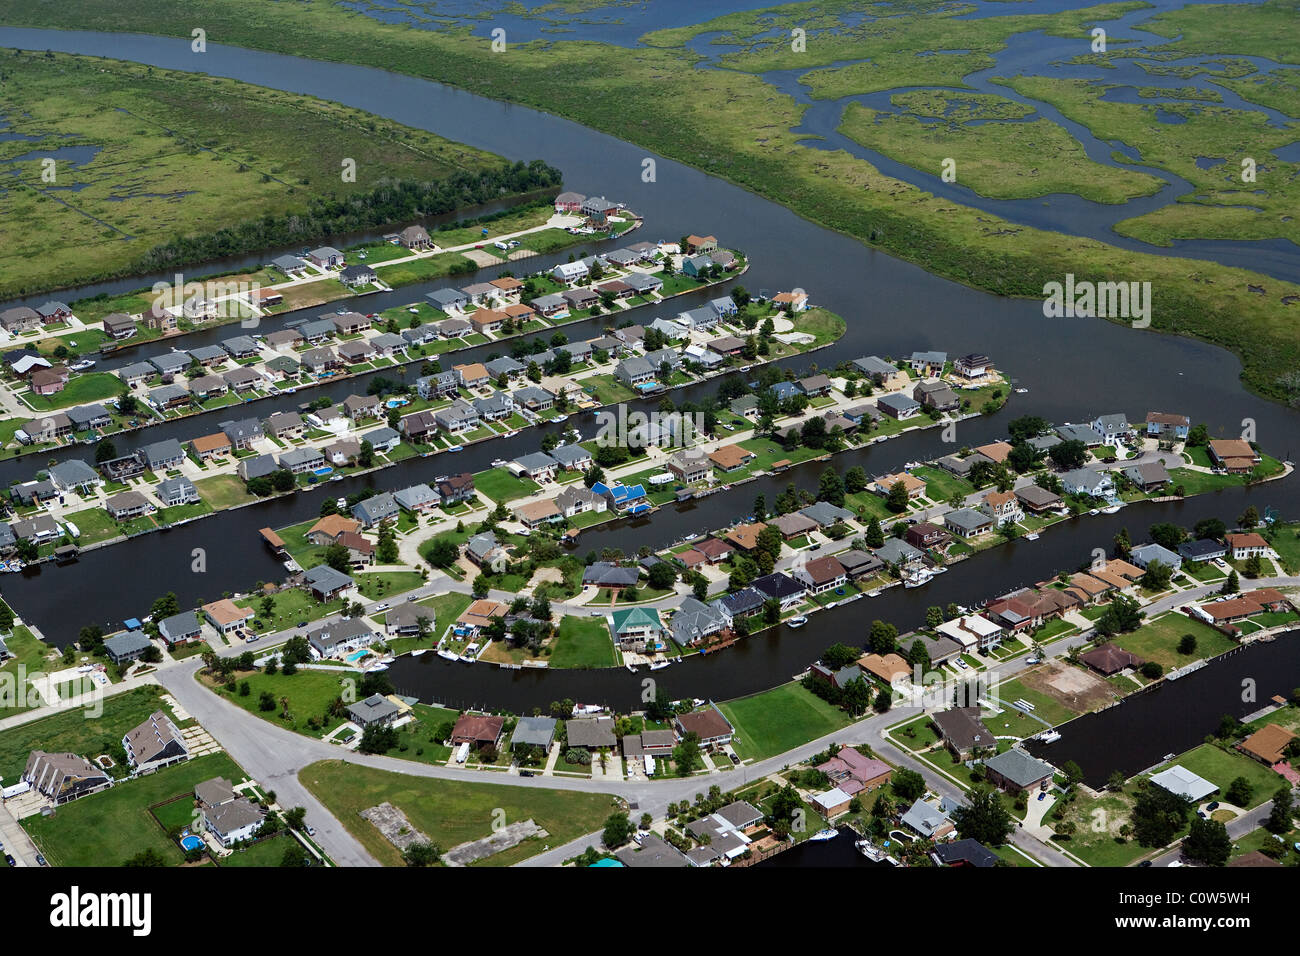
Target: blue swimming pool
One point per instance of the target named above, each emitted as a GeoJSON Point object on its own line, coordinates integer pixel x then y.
{"type": "Point", "coordinates": [323, 471]}
{"type": "Point", "coordinates": [191, 842]}
{"type": "Point", "coordinates": [356, 656]}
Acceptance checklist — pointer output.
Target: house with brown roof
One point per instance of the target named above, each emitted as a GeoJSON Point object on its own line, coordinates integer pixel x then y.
{"type": "Point", "coordinates": [822, 574]}
{"type": "Point", "coordinates": [226, 616]}
{"type": "Point", "coordinates": [793, 524]}
{"type": "Point", "coordinates": [534, 514]}
{"type": "Point", "coordinates": [995, 452]}
{"type": "Point", "coordinates": [731, 457]}
{"type": "Point", "coordinates": [713, 729]}
{"type": "Point", "coordinates": [1109, 659]}
{"type": "Point", "coordinates": [925, 535]}
{"type": "Point", "coordinates": [480, 614]}
{"type": "Point", "coordinates": [888, 667]}
{"type": "Point", "coordinates": [326, 531]}
{"type": "Point", "coordinates": [478, 730]}
{"type": "Point", "coordinates": [1233, 455]}
{"type": "Point", "coordinates": [854, 773]}
{"type": "Point", "coordinates": [714, 550]}
{"type": "Point", "coordinates": [210, 446]}
{"type": "Point", "coordinates": [885, 483]}
{"type": "Point", "coordinates": [745, 536]}
{"type": "Point", "coordinates": [963, 731]}
{"type": "Point", "coordinates": [1247, 545]}
{"type": "Point", "coordinates": [1268, 744]}
{"type": "Point", "coordinates": [1094, 588]}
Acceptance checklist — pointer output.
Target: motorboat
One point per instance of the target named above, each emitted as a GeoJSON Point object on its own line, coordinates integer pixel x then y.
{"type": "Point", "coordinates": [868, 849]}
{"type": "Point", "coordinates": [797, 622]}
{"type": "Point", "coordinates": [448, 655]}
{"type": "Point", "coordinates": [418, 651]}
{"type": "Point", "coordinates": [659, 665]}
{"type": "Point", "coordinates": [827, 834]}
{"type": "Point", "coordinates": [456, 448]}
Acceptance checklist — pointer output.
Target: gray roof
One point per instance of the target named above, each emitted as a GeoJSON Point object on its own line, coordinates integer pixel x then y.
{"type": "Point", "coordinates": [874, 365]}
{"type": "Point", "coordinates": [246, 429]}
{"type": "Point", "coordinates": [327, 636]}
{"type": "Point", "coordinates": [591, 732]}
{"type": "Point", "coordinates": [179, 625]}
{"type": "Point", "coordinates": [180, 483]}
{"type": "Point", "coordinates": [967, 519]}
{"type": "Point", "coordinates": [536, 461]}
{"type": "Point", "coordinates": [170, 361]}
{"type": "Point", "coordinates": [414, 496]}
{"type": "Point", "coordinates": [376, 508]}
{"type": "Point", "coordinates": [169, 449]}
{"type": "Point", "coordinates": [825, 513]}
{"type": "Point", "coordinates": [131, 642]}
{"type": "Point", "coordinates": [568, 455]}
{"type": "Point", "coordinates": [695, 619]}
{"type": "Point", "coordinates": [325, 578]}
{"type": "Point", "coordinates": [537, 731]}
{"type": "Point", "coordinates": [446, 297]}
{"type": "Point", "coordinates": [259, 467]}
{"type": "Point", "coordinates": [1018, 767]}
{"type": "Point", "coordinates": [895, 551]}
{"type": "Point", "coordinates": [73, 472]}
{"type": "Point", "coordinates": [374, 707]}
{"type": "Point", "coordinates": [898, 402]}
{"type": "Point", "coordinates": [300, 456]}
{"type": "Point", "coordinates": [1084, 433]}
{"type": "Point", "coordinates": [925, 818]}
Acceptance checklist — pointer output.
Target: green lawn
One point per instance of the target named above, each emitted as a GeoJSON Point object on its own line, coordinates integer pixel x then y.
{"type": "Point", "coordinates": [777, 720]}
{"type": "Point", "coordinates": [107, 828]}
{"type": "Point", "coordinates": [1222, 768]}
{"type": "Point", "coordinates": [87, 387]}
{"type": "Point", "coordinates": [499, 485]}
{"type": "Point", "coordinates": [1158, 640]}
{"type": "Point", "coordinates": [309, 694]}
{"type": "Point", "coordinates": [451, 812]}
{"type": "Point", "coordinates": [583, 642]}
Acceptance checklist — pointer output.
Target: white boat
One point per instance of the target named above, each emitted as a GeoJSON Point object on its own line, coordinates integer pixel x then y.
{"type": "Point", "coordinates": [1021, 391]}
{"type": "Point", "coordinates": [659, 665]}
{"type": "Point", "coordinates": [1050, 737]}
{"type": "Point", "coordinates": [870, 850]}
{"type": "Point", "coordinates": [919, 578]}
{"type": "Point", "coordinates": [377, 667]}
{"type": "Point", "coordinates": [336, 477]}
{"type": "Point", "coordinates": [560, 418]}
{"type": "Point", "coordinates": [340, 502]}
{"type": "Point", "coordinates": [448, 655]}
{"type": "Point", "coordinates": [1094, 511]}
{"type": "Point", "coordinates": [1032, 536]}
{"type": "Point", "coordinates": [1111, 509]}
{"type": "Point", "coordinates": [418, 651]}
{"type": "Point", "coordinates": [827, 834]}
{"type": "Point", "coordinates": [797, 622]}
{"type": "Point", "coordinates": [630, 668]}
{"type": "Point", "coordinates": [456, 448]}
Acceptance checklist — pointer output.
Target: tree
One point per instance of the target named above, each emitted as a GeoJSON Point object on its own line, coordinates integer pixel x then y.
{"type": "Point", "coordinates": [896, 500]}
{"type": "Point", "coordinates": [662, 576]}
{"type": "Point", "coordinates": [1068, 454]}
{"type": "Point", "coordinates": [421, 853]}
{"type": "Point", "coordinates": [618, 830]}
{"type": "Point", "coordinates": [1232, 585]}
{"type": "Point", "coordinates": [830, 487]}
{"type": "Point", "coordinates": [908, 784]}
{"type": "Point", "coordinates": [1249, 518]}
{"type": "Point", "coordinates": [855, 480]}
{"type": "Point", "coordinates": [338, 557]}
{"type": "Point", "coordinates": [1207, 842]}
{"type": "Point", "coordinates": [1239, 792]}
{"type": "Point", "coordinates": [1279, 815]}
{"type": "Point", "coordinates": [105, 451]}
{"type": "Point", "coordinates": [165, 606]}
{"type": "Point", "coordinates": [838, 656]}
{"type": "Point", "coordinates": [441, 552]}
{"type": "Point", "coordinates": [933, 617]}
{"type": "Point", "coordinates": [366, 457]}
{"type": "Point", "coordinates": [1187, 644]}
{"type": "Point", "coordinates": [1167, 535]}
{"type": "Point", "coordinates": [1158, 815]}
{"type": "Point", "coordinates": [376, 739]}
{"type": "Point", "coordinates": [1157, 575]}
{"type": "Point", "coordinates": [1209, 528]}
{"type": "Point", "coordinates": [984, 818]}
{"type": "Point", "coordinates": [875, 536]}
{"type": "Point", "coordinates": [883, 637]}
{"type": "Point", "coordinates": [687, 756]}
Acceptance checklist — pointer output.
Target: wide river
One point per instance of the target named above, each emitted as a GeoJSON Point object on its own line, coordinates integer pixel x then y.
{"type": "Point", "coordinates": [1073, 369]}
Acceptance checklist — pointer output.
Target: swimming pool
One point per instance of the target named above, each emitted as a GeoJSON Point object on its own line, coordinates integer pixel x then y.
{"type": "Point", "coordinates": [323, 471]}
{"type": "Point", "coordinates": [191, 842]}
{"type": "Point", "coordinates": [396, 402]}
{"type": "Point", "coordinates": [356, 656]}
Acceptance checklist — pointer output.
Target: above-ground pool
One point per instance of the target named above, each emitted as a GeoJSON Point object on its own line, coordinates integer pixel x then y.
{"type": "Point", "coordinates": [191, 842]}
{"type": "Point", "coordinates": [323, 471]}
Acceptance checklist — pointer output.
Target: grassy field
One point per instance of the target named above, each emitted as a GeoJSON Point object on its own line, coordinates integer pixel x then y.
{"type": "Point", "coordinates": [1222, 768]}
{"type": "Point", "coordinates": [151, 152]}
{"type": "Point", "coordinates": [776, 720]}
{"type": "Point", "coordinates": [110, 827]}
{"type": "Point", "coordinates": [309, 694]}
{"type": "Point", "coordinates": [583, 642]}
{"type": "Point", "coordinates": [499, 485]}
{"type": "Point", "coordinates": [450, 812]}
{"type": "Point", "coordinates": [1158, 641]}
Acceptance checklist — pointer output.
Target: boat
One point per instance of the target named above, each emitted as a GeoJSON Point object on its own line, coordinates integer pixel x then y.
{"type": "Point", "coordinates": [797, 622]}
{"type": "Point", "coordinates": [418, 651]}
{"type": "Point", "coordinates": [659, 665]}
{"type": "Point", "coordinates": [448, 655]}
{"type": "Point", "coordinates": [827, 834]}
{"type": "Point", "coordinates": [1032, 536]}
{"type": "Point", "coordinates": [919, 578]}
{"type": "Point", "coordinates": [1094, 511]}
{"type": "Point", "coordinates": [336, 478]}
{"type": "Point", "coordinates": [498, 462]}
{"type": "Point", "coordinates": [377, 667]}
{"type": "Point", "coordinates": [630, 667]}
{"type": "Point", "coordinates": [1111, 509]}
{"type": "Point", "coordinates": [1050, 737]}
{"type": "Point", "coordinates": [1021, 391]}
{"type": "Point", "coordinates": [868, 849]}
{"type": "Point", "coordinates": [456, 448]}
{"type": "Point", "coordinates": [340, 502]}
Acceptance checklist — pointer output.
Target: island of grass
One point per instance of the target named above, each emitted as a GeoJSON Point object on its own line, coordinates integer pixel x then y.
{"type": "Point", "coordinates": [142, 155]}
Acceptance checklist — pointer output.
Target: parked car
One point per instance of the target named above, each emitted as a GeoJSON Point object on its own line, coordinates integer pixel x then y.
{"type": "Point", "coordinates": [526, 773]}
{"type": "Point", "coordinates": [302, 623]}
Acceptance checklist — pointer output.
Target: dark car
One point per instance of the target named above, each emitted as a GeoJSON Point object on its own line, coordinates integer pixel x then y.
{"type": "Point", "coordinates": [10, 860]}
{"type": "Point", "coordinates": [526, 773]}
{"type": "Point", "coordinates": [1145, 863]}
{"type": "Point", "coordinates": [302, 623]}
{"type": "Point", "coordinates": [734, 758]}
{"type": "Point", "coordinates": [40, 860]}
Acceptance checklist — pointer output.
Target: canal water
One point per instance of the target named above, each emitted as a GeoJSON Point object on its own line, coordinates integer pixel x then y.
{"type": "Point", "coordinates": [1175, 716]}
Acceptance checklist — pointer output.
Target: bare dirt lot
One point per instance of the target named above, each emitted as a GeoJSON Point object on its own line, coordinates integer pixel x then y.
{"type": "Point", "coordinates": [1072, 686]}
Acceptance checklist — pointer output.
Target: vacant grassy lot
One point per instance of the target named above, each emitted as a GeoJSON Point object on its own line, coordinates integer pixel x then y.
{"type": "Point", "coordinates": [1220, 767]}
{"type": "Point", "coordinates": [776, 720]}
{"type": "Point", "coordinates": [151, 152]}
{"type": "Point", "coordinates": [110, 827]}
{"type": "Point", "coordinates": [583, 642]}
{"type": "Point", "coordinates": [1158, 641]}
{"type": "Point", "coordinates": [499, 485]}
{"type": "Point", "coordinates": [451, 812]}
{"type": "Point", "coordinates": [308, 694]}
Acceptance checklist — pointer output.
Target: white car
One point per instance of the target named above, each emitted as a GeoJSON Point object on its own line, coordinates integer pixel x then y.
{"type": "Point", "coordinates": [962, 664]}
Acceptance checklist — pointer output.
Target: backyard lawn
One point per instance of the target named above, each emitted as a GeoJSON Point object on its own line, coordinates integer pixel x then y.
{"type": "Point", "coordinates": [499, 485]}
{"type": "Point", "coordinates": [1158, 641]}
